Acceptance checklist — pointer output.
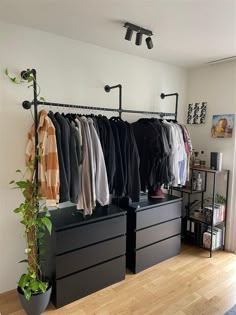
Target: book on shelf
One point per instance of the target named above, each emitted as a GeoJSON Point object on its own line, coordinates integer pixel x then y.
{"type": "Point", "coordinates": [218, 213]}
{"type": "Point", "coordinates": [217, 238]}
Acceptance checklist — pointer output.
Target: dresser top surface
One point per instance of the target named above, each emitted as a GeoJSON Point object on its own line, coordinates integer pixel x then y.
{"type": "Point", "coordinates": [67, 217]}
{"type": "Point", "coordinates": [146, 202]}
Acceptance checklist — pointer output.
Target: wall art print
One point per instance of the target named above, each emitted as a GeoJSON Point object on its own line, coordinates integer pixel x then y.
{"type": "Point", "coordinates": [222, 126]}
{"type": "Point", "coordinates": [197, 113]}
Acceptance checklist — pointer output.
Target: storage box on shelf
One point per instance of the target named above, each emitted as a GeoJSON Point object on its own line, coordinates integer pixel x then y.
{"type": "Point", "coordinates": [206, 227]}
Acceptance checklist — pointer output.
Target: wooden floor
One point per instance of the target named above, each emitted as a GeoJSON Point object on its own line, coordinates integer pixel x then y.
{"type": "Point", "coordinates": [190, 283]}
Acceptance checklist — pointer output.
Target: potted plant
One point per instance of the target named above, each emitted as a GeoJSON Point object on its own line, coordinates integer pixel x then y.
{"type": "Point", "coordinates": [33, 289]}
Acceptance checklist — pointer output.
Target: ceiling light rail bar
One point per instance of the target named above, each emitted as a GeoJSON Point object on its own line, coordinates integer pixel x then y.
{"type": "Point", "coordinates": [138, 29]}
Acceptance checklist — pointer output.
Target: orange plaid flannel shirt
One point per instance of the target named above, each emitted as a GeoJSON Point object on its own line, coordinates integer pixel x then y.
{"type": "Point", "coordinates": [48, 166]}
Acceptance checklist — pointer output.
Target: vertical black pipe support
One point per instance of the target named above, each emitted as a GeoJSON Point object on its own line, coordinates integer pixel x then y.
{"type": "Point", "coordinates": [35, 101]}
{"type": "Point", "coordinates": [213, 211]}
{"type": "Point", "coordinates": [226, 207]}
{"type": "Point", "coordinates": [27, 105]}
{"type": "Point", "coordinates": [176, 106]}
{"type": "Point", "coordinates": [120, 100]}
{"type": "Point", "coordinates": [108, 88]}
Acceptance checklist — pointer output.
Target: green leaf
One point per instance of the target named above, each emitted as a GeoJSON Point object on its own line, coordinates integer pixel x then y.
{"type": "Point", "coordinates": [18, 171]}
{"type": "Point", "coordinates": [21, 184]}
{"type": "Point", "coordinates": [42, 98]}
{"type": "Point", "coordinates": [17, 210]}
{"type": "Point", "coordinates": [43, 286]}
{"type": "Point", "coordinates": [33, 275]}
{"type": "Point", "coordinates": [45, 209]}
{"type": "Point", "coordinates": [34, 285]}
{"type": "Point", "coordinates": [23, 280]}
{"type": "Point", "coordinates": [40, 234]}
{"type": "Point", "coordinates": [47, 223]}
{"type": "Point", "coordinates": [30, 79]}
{"type": "Point", "coordinates": [23, 261]}
{"type": "Point", "coordinates": [27, 294]}
{"type": "Point", "coordinates": [11, 182]}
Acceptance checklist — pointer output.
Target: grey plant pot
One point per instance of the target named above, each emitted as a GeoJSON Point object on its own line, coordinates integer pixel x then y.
{"type": "Point", "coordinates": [38, 302]}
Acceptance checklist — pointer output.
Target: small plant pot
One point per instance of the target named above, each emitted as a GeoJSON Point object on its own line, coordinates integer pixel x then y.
{"type": "Point", "coordinates": [37, 303]}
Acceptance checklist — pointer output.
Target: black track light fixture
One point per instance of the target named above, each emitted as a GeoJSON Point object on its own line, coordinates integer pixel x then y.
{"type": "Point", "coordinates": [129, 33]}
{"type": "Point", "coordinates": [149, 42]}
{"type": "Point", "coordinates": [139, 37]}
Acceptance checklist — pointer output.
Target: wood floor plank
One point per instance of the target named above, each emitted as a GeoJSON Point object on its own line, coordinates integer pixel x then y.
{"type": "Point", "coordinates": [188, 284]}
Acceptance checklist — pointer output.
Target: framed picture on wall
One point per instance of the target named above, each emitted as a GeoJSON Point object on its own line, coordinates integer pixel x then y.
{"type": "Point", "coordinates": [222, 126]}
{"type": "Point", "coordinates": [197, 113]}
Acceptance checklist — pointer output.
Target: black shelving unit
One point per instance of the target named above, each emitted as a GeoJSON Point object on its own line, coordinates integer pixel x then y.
{"type": "Point", "coordinates": [201, 223]}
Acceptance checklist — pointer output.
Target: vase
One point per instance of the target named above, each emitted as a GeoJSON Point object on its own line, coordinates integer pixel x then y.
{"type": "Point", "coordinates": [37, 303]}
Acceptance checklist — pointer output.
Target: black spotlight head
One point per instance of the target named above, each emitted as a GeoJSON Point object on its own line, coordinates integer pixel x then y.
{"type": "Point", "coordinates": [149, 43]}
{"type": "Point", "coordinates": [139, 37]}
{"type": "Point", "coordinates": [129, 34]}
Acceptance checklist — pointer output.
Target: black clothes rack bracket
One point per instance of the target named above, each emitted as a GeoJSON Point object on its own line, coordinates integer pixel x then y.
{"type": "Point", "coordinates": [108, 88]}
{"type": "Point", "coordinates": [27, 105]}
{"type": "Point", "coordinates": [176, 102]}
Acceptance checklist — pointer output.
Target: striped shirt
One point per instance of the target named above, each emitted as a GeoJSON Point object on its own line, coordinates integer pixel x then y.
{"type": "Point", "coordinates": [48, 165]}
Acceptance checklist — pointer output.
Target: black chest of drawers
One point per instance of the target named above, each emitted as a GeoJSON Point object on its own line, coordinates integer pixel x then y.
{"type": "Point", "coordinates": [84, 254]}
{"type": "Point", "coordinates": [153, 232]}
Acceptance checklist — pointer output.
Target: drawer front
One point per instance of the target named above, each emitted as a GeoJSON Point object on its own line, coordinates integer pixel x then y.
{"type": "Point", "coordinates": [156, 253]}
{"type": "Point", "coordinates": [89, 256]}
{"type": "Point", "coordinates": [88, 281]}
{"type": "Point", "coordinates": [157, 233]}
{"type": "Point", "coordinates": [88, 234]}
{"type": "Point", "coordinates": [157, 215]}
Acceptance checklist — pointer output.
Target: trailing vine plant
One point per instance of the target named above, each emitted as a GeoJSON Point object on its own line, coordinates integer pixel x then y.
{"type": "Point", "coordinates": [17, 79]}
{"type": "Point", "coordinates": [35, 216]}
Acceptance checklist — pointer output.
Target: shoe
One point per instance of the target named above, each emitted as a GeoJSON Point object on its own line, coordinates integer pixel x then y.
{"type": "Point", "coordinates": [157, 194]}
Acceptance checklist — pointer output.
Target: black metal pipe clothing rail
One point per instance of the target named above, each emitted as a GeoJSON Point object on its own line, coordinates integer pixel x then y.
{"type": "Point", "coordinates": [107, 109]}
{"type": "Point", "coordinates": [27, 105]}
{"type": "Point", "coordinates": [120, 110]}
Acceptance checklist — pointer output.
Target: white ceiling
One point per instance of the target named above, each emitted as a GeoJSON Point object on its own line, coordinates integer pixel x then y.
{"type": "Point", "coordinates": [186, 32]}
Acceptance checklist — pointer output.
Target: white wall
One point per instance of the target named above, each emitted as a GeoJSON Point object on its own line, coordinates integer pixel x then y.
{"type": "Point", "coordinates": [216, 85]}
{"type": "Point", "coordinates": [68, 71]}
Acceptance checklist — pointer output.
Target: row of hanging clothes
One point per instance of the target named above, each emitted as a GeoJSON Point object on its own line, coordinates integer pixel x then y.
{"type": "Point", "coordinates": [86, 159]}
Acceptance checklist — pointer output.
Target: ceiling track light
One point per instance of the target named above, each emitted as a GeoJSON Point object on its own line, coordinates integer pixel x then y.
{"type": "Point", "coordinates": [129, 33]}
{"type": "Point", "coordinates": [149, 42]}
{"type": "Point", "coordinates": [139, 36]}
